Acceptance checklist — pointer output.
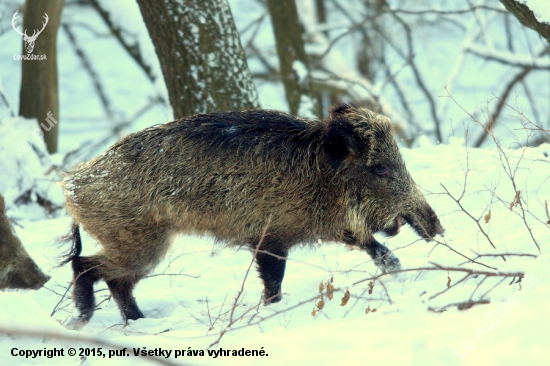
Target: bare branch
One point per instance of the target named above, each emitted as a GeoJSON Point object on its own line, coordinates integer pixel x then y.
{"type": "Point", "coordinates": [470, 215]}
{"type": "Point", "coordinates": [437, 267]}
{"type": "Point", "coordinates": [132, 49]}
{"type": "Point", "coordinates": [508, 58]}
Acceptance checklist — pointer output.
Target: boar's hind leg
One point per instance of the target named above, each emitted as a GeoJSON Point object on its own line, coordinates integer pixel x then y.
{"type": "Point", "coordinates": [382, 256]}
{"type": "Point", "coordinates": [86, 273]}
{"type": "Point", "coordinates": [272, 270]}
{"type": "Point", "coordinates": [121, 289]}
{"type": "Point", "coordinates": [144, 246]}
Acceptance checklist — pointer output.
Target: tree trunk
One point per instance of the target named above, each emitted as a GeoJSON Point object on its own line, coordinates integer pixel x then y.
{"type": "Point", "coordinates": [527, 18]}
{"type": "Point", "coordinates": [200, 54]}
{"type": "Point", "coordinates": [293, 61]}
{"type": "Point", "coordinates": [39, 92]}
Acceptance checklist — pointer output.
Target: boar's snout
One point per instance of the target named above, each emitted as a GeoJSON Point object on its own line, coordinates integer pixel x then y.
{"type": "Point", "coordinates": [424, 221]}
{"type": "Point", "coordinates": [439, 228]}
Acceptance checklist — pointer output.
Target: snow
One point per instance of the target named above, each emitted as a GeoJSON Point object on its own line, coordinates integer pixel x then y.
{"type": "Point", "coordinates": [507, 57]}
{"type": "Point", "coordinates": [540, 8]}
{"type": "Point", "coordinates": [188, 299]}
{"type": "Point", "coordinates": [300, 69]}
{"type": "Point", "coordinates": [24, 161]}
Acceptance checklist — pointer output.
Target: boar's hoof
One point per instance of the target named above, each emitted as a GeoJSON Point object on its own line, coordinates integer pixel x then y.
{"type": "Point", "coordinates": [383, 257]}
{"type": "Point", "coordinates": [132, 314]}
{"type": "Point", "coordinates": [388, 263]}
{"type": "Point", "coordinates": [271, 296]}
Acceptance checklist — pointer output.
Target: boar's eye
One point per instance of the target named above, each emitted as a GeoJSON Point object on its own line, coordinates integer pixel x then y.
{"type": "Point", "coordinates": [381, 170]}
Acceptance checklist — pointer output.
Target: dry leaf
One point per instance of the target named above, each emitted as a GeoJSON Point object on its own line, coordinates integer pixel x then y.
{"type": "Point", "coordinates": [321, 287]}
{"type": "Point", "coordinates": [448, 281]}
{"type": "Point", "coordinates": [321, 304]}
{"type": "Point", "coordinates": [487, 217]}
{"type": "Point", "coordinates": [371, 286]}
{"type": "Point", "coordinates": [345, 299]}
{"type": "Point", "coordinates": [367, 310]}
{"type": "Point", "coordinates": [314, 312]}
{"type": "Point", "coordinates": [332, 278]}
{"type": "Point", "coordinates": [374, 310]}
{"type": "Point", "coordinates": [516, 201]}
{"type": "Point", "coordinates": [330, 291]}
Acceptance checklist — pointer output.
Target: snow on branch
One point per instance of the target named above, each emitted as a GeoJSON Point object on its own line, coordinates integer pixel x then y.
{"type": "Point", "coordinates": [508, 58]}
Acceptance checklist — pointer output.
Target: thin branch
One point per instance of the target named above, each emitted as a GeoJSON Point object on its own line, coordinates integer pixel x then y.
{"type": "Point", "coordinates": [502, 102]}
{"type": "Point", "coordinates": [470, 215]}
{"type": "Point", "coordinates": [105, 103]}
{"type": "Point", "coordinates": [437, 267]}
{"type": "Point", "coordinates": [447, 12]}
{"type": "Point", "coordinates": [132, 49]}
{"type": "Point", "coordinates": [418, 77]}
{"type": "Point", "coordinates": [241, 291]}
{"type": "Point", "coordinates": [508, 58]}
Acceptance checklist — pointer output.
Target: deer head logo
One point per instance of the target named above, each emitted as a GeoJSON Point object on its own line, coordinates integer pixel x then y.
{"type": "Point", "coordinates": [29, 41]}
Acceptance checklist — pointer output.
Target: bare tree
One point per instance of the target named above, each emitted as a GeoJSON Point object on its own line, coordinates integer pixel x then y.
{"type": "Point", "coordinates": [200, 54]}
{"type": "Point", "coordinates": [293, 61]}
{"type": "Point", "coordinates": [39, 91]}
{"type": "Point", "coordinates": [527, 18]}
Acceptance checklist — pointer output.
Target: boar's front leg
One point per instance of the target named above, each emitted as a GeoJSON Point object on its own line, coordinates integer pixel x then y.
{"type": "Point", "coordinates": [382, 256]}
{"type": "Point", "coordinates": [271, 266]}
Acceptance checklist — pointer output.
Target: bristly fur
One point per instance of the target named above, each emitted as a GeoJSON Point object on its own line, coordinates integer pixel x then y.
{"type": "Point", "coordinates": [72, 236]}
{"type": "Point", "coordinates": [17, 269]}
{"type": "Point", "coordinates": [223, 175]}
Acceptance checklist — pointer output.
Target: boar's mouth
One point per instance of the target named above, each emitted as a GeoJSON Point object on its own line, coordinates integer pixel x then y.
{"type": "Point", "coordinates": [394, 228]}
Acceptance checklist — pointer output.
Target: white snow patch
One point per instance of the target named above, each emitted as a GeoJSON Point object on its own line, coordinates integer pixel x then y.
{"type": "Point", "coordinates": [183, 312]}
{"type": "Point", "coordinates": [541, 9]}
{"type": "Point", "coordinates": [301, 70]}
{"type": "Point", "coordinates": [307, 107]}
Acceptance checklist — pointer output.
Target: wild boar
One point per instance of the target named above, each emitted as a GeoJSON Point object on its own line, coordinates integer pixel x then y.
{"type": "Point", "coordinates": [223, 175]}
{"type": "Point", "coordinates": [17, 269]}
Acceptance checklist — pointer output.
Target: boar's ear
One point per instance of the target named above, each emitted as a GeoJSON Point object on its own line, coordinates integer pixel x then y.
{"type": "Point", "coordinates": [341, 143]}
{"type": "Point", "coordinates": [338, 110]}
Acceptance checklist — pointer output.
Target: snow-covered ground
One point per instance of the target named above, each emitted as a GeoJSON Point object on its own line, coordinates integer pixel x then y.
{"type": "Point", "coordinates": [189, 299]}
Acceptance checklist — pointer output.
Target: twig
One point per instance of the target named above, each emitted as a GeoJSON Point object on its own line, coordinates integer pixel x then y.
{"type": "Point", "coordinates": [239, 294]}
{"type": "Point", "coordinates": [132, 49]}
{"type": "Point", "coordinates": [492, 120]}
{"type": "Point", "coordinates": [437, 267]}
{"type": "Point", "coordinates": [470, 215]}
{"type": "Point", "coordinates": [88, 67]}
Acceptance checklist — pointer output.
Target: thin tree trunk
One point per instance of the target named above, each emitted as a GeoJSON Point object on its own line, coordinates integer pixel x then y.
{"type": "Point", "coordinates": [200, 54]}
{"type": "Point", "coordinates": [293, 61]}
{"type": "Point", "coordinates": [39, 92]}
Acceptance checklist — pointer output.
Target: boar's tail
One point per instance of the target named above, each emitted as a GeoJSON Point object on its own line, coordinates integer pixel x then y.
{"type": "Point", "coordinates": [76, 247]}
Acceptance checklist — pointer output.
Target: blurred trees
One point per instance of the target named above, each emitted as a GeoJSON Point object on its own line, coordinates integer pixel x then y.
{"type": "Point", "coordinates": [397, 57]}
{"type": "Point", "coordinates": [39, 83]}
{"type": "Point", "coordinates": [293, 60]}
